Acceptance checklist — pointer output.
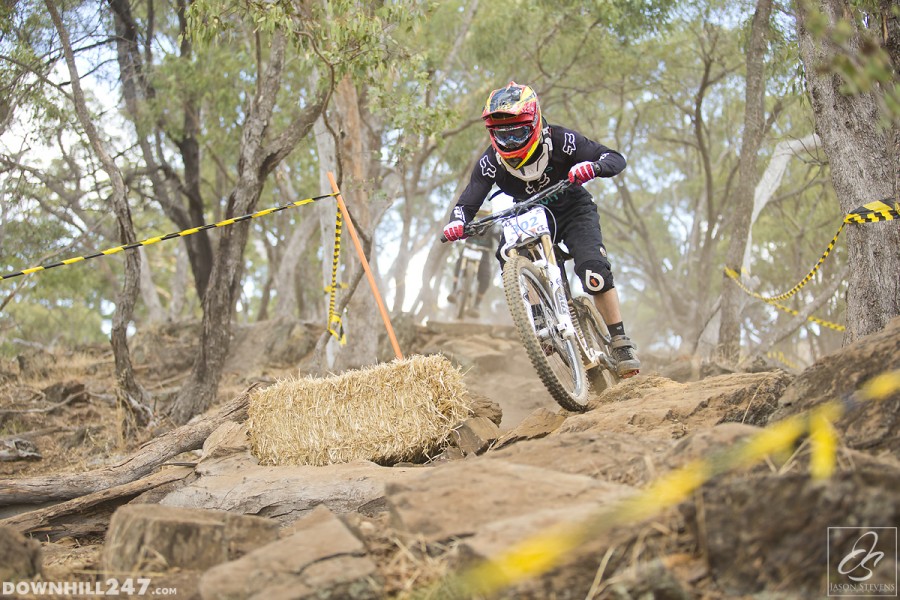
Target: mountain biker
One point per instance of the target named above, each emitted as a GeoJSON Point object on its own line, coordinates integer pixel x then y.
{"type": "Point", "coordinates": [527, 155]}
{"type": "Point", "coordinates": [483, 275]}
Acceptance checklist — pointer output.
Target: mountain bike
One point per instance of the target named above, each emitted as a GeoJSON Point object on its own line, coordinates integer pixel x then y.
{"type": "Point", "coordinates": [465, 289]}
{"type": "Point", "coordinates": [564, 335]}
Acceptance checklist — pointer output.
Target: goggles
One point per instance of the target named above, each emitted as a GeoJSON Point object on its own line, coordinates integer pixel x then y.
{"type": "Point", "coordinates": [511, 137]}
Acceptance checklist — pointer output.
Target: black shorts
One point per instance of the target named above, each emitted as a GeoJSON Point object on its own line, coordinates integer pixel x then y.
{"type": "Point", "coordinates": [574, 220]}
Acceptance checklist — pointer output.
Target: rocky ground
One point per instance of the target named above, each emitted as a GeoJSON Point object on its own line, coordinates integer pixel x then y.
{"type": "Point", "coordinates": [214, 524]}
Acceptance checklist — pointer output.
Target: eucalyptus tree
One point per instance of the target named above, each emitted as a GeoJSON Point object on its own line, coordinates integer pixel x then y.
{"type": "Point", "coordinates": [163, 83]}
{"type": "Point", "coordinates": [851, 53]}
{"type": "Point", "coordinates": [42, 48]}
{"type": "Point", "coordinates": [748, 175]}
{"type": "Point", "coordinates": [130, 394]}
{"type": "Point", "coordinates": [341, 40]}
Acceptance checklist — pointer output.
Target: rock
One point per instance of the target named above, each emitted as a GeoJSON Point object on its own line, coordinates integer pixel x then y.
{"type": "Point", "coordinates": [321, 558]}
{"type": "Point", "coordinates": [482, 406]}
{"type": "Point", "coordinates": [285, 494]}
{"type": "Point", "coordinates": [142, 536]}
{"type": "Point", "coordinates": [73, 391]}
{"type": "Point", "coordinates": [449, 453]}
{"type": "Point", "coordinates": [608, 456]}
{"type": "Point", "coordinates": [538, 424]}
{"type": "Point", "coordinates": [868, 425]}
{"type": "Point", "coordinates": [496, 500]}
{"type": "Point", "coordinates": [648, 580]}
{"type": "Point", "coordinates": [475, 435]}
{"type": "Point", "coordinates": [20, 557]}
{"type": "Point", "coordinates": [659, 407]}
{"type": "Point", "coordinates": [702, 444]}
{"type": "Point", "coordinates": [771, 532]}
{"type": "Point", "coordinates": [229, 438]}
{"type": "Point", "coordinates": [18, 449]}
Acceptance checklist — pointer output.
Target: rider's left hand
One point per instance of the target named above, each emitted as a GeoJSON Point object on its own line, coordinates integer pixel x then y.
{"type": "Point", "coordinates": [583, 172]}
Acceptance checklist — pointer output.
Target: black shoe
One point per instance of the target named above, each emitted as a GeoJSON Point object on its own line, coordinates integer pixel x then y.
{"type": "Point", "coordinates": [623, 352]}
{"type": "Point", "coordinates": [452, 298]}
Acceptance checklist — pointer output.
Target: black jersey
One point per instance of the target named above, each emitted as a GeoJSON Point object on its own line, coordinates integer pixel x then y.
{"type": "Point", "coordinates": [567, 148]}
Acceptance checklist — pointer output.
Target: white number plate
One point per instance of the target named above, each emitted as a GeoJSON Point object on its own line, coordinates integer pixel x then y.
{"type": "Point", "coordinates": [527, 225]}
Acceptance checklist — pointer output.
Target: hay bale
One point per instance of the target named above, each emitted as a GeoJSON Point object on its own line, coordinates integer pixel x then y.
{"type": "Point", "coordinates": [392, 412]}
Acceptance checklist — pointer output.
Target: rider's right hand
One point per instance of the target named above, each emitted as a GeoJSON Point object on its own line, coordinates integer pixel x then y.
{"type": "Point", "coordinates": [455, 230]}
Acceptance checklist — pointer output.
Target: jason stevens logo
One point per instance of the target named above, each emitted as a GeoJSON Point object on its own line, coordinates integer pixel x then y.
{"type": "Point", "coordinates": [862, 561]}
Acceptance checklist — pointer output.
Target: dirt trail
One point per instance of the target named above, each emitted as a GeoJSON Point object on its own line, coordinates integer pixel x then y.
{"type": "Point", "coordinates": [760, 532]}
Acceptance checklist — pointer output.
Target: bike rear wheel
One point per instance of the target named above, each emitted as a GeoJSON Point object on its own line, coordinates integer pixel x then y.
{"type": "Point", "coordinates": [597, 335]}
{"type": "Point", "coordinates": [556, 359]}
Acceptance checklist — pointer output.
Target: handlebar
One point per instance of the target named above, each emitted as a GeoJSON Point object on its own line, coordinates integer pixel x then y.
{"type": "Point", "coordinates": [479, 226]}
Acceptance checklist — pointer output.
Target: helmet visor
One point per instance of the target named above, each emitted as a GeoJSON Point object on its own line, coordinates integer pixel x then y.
{"type": "Point", "coordinates": [512, 137]}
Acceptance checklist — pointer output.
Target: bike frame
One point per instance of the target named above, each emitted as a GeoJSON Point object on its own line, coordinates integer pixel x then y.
{"type": "Point", "coordinates": [540, 250]}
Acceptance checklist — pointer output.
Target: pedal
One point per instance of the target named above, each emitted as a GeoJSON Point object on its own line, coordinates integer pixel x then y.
{"type": "Point", "coordinates": [630, 374]}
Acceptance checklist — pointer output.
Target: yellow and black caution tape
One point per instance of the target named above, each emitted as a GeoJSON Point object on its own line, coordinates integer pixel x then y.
{"type": "Point", "coordinates": [544, 551]}
{"type": "Point", "coordinates": [335, 326]}
{"type": "Point", "coordinates": [780, 357]}
{"type": "Point", "coordinates": [872, 212]}
{"type": "Point", "coordinates": [168, 236]}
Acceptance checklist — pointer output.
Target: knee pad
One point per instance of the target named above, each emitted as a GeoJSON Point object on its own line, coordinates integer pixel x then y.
{"type": "Point", "coordinates": [596, 276]}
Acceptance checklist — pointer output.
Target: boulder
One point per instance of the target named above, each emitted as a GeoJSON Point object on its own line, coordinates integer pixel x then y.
{"type": "Point", "coordinates": [20, 557]}
{"type": "Point", "coordinates": [475, 435]}
{"type": "Point", "coordinates": [608, 456]}
{"type": "Point", "coordinates": [482, 406]}
{"type": "Point", "coordinates": [321, 558]}
{"type": "Point", "coordinates": [142, 536]}
{"type": "Point", "coordinates": [236, 484]}
{"type": "Point", "coordinates": [867, 425]}
{"type": "Point", "coordinates": [502, 501]}
{"type": "Point", "coordinates": [653, 406]}
{"type": "Point", "coordinates": [538, 424]}
{"type": "Point", "coordinates": [774, 532]}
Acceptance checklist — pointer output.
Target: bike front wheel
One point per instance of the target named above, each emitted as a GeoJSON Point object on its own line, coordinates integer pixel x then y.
{"type": "Point", "coordinates": [556, 358]}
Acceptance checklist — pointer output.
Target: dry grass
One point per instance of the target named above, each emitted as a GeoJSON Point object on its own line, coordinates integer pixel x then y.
{"type": "Point", "coordinates": [392, 412]}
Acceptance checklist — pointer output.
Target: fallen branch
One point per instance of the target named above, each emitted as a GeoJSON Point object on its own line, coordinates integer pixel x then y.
{"type": "Point", "coordinates": [88, 514]}
{"type": "Point", "coordinates": [151, 455]}
{"type": "Point", "coordinates": [46, 409]}
{"type": "Point", "coordinates": [28, 435]}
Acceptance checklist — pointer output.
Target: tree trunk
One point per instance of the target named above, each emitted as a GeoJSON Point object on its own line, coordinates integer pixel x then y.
{"type": "Point", "coordinates": [136, 88]}
{"type": "Point", "coordinates": [285, 276]}
{"type": "Point", "coordinates": [155, 312]}
{"type": "Point", "coordinates": [129, 392]}
{"type": "Point", "coordinates": [863, 169]}
{"type": "Point", "coordinates": [326, 147]}
{"type": "Point", "coordinates": [362, 322]}
{"type": "Point", "coordinates": [733, 298]}
{"type": "Point", "coordinates": [178, 284]}
{"type": "Point", "coordinates": [256, 160]}
{"type": "Point", "coordinates": [772, 177]}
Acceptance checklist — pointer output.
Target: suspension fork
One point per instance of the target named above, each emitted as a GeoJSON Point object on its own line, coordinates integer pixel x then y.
{"type": "Point", "coordinates": [554, 275]}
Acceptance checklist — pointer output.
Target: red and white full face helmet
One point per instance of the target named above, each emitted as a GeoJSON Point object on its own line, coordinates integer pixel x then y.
{"type": "Point", "coordinates": [512, 116]}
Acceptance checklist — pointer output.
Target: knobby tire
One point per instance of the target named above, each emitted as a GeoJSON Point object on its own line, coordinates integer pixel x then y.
{"type": "Point", "coordinates": [569, 389]}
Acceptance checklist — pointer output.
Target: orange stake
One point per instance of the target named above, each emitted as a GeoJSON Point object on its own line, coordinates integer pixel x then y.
{"type": "Point", "coordinates": [365, 264]}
